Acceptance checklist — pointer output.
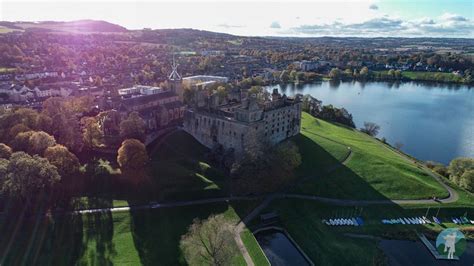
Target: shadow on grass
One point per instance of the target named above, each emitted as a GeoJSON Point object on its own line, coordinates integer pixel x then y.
{"type": "Point", "coordinates": [157, 233]}
{"type": "Point", "coordinates": [30, 238]}
{"type": "Point", "coordinates": [321, 174]}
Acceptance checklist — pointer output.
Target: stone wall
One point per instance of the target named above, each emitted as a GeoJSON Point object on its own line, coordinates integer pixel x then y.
{"type": "Point", "coordinates": [212, 129]}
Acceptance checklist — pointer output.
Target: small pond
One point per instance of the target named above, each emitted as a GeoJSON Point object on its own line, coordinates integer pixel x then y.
{"type": "Point", "coordinates": [411, 253]}
{"type": "Point", "coordinates": [279, 249]}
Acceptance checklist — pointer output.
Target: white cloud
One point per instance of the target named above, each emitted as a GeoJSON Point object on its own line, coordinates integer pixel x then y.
{"type": "Point", "coordinates": [374, 7]}
{"type": "Point", "coordinates": [275, 25]}
{"type": "Point", "coordinates": [228, 26]}
{"type": "Point", "coordinates": [447, 25]}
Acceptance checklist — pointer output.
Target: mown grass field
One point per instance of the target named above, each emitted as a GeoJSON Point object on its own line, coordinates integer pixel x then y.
{"type": "Point", "coordinates": [141, 237]}
{"type": "Point", "coordinates": [373, 172]}
{"type": "Point", "coordinates": [421, 75]}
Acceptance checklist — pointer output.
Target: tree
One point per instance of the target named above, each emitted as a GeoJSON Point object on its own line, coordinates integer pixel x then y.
{"type": "Point", "coordinates": [348, 73]}
{"type": "Point", "coordinates": [92, 135]}
{"type": "Point", "coordinates": [458, 167]}
{"type": "Point", "coordinates": [255, 90]}
{"type": "Point", "coordinates": [64, 123]}
{"type": "Point", "coordinates": [284, 76]}
{"type": "Point", "coordinates": [335, 73]}
{"type": "Point", "coordinates": [364, 72]}
{"type": "Point", "coordinates": [209, 242]}
{"type": "Point", "coordinates": [27, 116]}
{"type": "Point", "coordinates": [39, 141]}
{"type": "Point", "coordinates": [5, 151]}
{"type": "Point", "coordinates": [370, 128]}
{"type": "Point", "coordinates": [3, 171]}
{"type": "Point", "coordinates": [133, 127]}
{"type": "Point", "coordinates": [398, 145]}
{"type": "Point", "coordinates": [18, 128]}
{"type": "Point", "coordinates": [333, 114]}
{"type": "Point", "coordinates": [21, 142]}
{"type": "Point", "coordinates": [293, 75]}
{"type": "Point", "coordinates": [27, 176]}
{"type": "Point", "coordinates": [467, 180]}
{"type": "Point", "coordinates": [132, 157]}
{"type": "Point", "coordinates": [66, 162]}
{"type": "Point", "coordinates": [44, 123]}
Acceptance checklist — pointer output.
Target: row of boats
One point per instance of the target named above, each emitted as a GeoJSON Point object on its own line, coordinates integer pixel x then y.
{"type": "Point", "coordinates": [407, 220]}
{"type": "Point", "coordinates": [462, 220]}
{"type": "Point", "coordinates": [352, 221]}
{"type": "Point", "coordinates": [424, 220]}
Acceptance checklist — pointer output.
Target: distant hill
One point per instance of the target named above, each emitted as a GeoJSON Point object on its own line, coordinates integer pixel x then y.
{"type": "Point", "coordinates": [70, 26]}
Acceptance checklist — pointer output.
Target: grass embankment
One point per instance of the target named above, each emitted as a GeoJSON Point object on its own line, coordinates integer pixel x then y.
{"type": "Point", "coordinates": [253, 248]}
{"type": "Point", "coordinates": [181, 171]}
{"type": "Point", "coordinates": [328, 245]}
{"type": "Point", "coordinates": [373, 171]}
{"type": "Point", "coordinates": [142, 237]}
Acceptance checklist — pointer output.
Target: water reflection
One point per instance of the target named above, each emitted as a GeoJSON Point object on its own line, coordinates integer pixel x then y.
{"type": "Point", "coordinates": [433, 121]}
{"type": "Point", "coordinates": [279, 250]}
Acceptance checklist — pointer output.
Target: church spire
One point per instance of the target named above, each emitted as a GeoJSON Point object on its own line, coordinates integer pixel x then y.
{"type": "Point", "coordinates": [175, 76]}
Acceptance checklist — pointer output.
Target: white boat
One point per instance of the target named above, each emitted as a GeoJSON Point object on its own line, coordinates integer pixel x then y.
{"type": "Point", "coordinates": [402, 221]}
{"type": "Point", "coordinates": [426, 219]}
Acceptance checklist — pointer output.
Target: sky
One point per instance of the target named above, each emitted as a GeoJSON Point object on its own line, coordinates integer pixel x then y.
{"type": "Point", "coordinates": [363, 18]}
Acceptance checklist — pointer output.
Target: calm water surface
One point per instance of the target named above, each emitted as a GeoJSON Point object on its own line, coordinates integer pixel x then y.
{"type": "Point", "coordinates": [279, 250]}
{"type": "Point", "coordinates": [432, 121]}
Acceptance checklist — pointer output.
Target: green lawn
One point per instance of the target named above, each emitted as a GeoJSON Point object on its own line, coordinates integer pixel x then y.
{"type": "Point", "coordinates": [253, 248]}
{"type": "Point", "coordinates": [428, 76]}
{"type": "Point", "coordinates": [373, 172]}
{"type": "Point", "coordinates": [142, 237]}
{"type": "Point", "coordinates": [181, 171]}
{"type": "Point", "coordinates": [421, 75]}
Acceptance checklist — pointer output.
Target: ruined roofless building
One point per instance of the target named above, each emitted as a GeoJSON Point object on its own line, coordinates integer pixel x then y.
{"type": "Point", "coordinates": [236, 125]}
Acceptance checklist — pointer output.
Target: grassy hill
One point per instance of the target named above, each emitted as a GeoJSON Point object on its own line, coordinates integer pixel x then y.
{"type": "Point", "coordinates": [374, 171]}
{"type": "Point", "coordinates": [181, 170]}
